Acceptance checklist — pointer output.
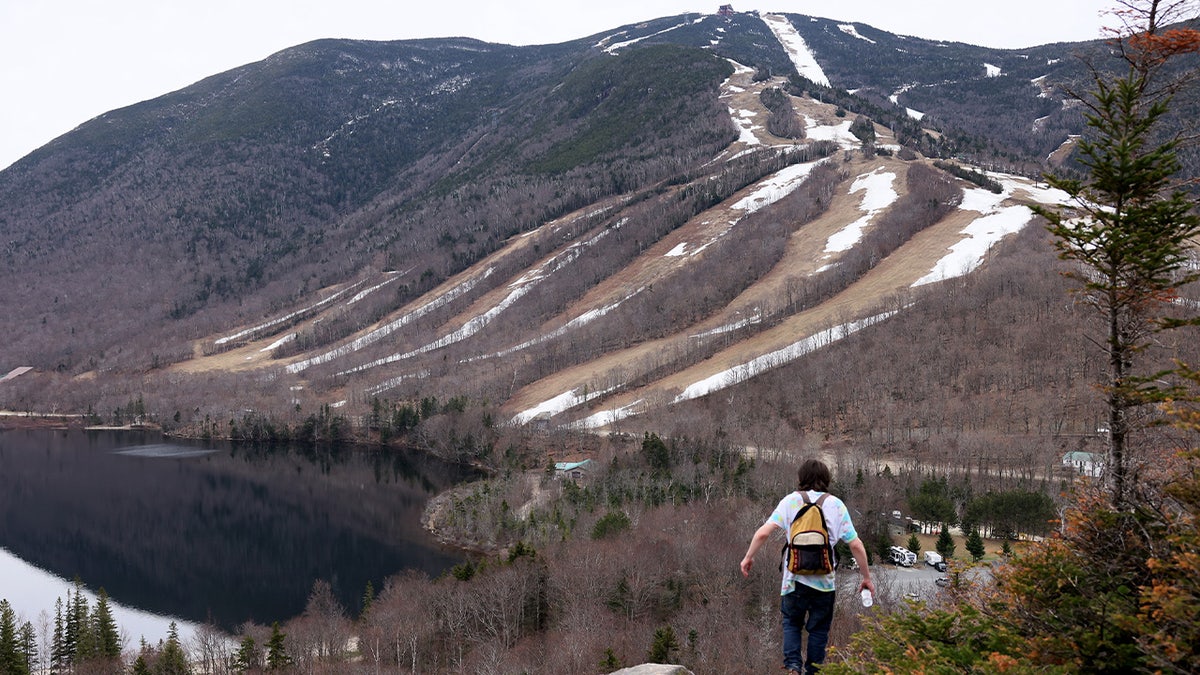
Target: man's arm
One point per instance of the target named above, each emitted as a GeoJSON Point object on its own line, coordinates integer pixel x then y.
{"type": "Point", "coordinates": [756, 542]}
{"type": "Point", "coordinates": [860, 556]}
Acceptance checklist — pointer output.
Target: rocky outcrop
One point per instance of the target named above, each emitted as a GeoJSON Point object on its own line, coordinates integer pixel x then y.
{"type": "Point", "coordinates": [654, 669]}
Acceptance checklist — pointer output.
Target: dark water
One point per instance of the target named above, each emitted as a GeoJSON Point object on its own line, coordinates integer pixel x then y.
{"type": "Point", "coordinates": [215, 532]}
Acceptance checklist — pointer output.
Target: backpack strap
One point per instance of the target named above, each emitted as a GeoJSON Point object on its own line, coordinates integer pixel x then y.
{"type": "Point", "coordinates": [832, 549]}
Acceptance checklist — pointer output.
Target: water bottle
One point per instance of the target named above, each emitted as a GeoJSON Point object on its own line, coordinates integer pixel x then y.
{"type": "Point", "coordinates": [867, 601]}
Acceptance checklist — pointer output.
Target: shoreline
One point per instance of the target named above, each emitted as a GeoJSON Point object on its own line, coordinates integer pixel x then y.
{"type": "Point", "coordinates": [16, 421]}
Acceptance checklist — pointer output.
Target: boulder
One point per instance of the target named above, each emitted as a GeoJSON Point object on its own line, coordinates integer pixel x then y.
{"type": "Point", "coordinates": [654, 669]}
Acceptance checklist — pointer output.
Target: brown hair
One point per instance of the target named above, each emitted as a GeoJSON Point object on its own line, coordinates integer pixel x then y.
{"type": "Point", "coordinates": [814, 475]}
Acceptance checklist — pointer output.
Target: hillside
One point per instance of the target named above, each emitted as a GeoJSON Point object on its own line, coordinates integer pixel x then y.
{"type": "Point", "coordinates": [570, 235]}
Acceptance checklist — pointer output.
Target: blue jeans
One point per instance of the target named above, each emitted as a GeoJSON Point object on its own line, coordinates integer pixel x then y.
{"type": "Point", "coordinates": [807, 609]}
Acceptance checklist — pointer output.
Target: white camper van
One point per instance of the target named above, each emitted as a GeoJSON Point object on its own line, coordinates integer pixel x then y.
{"type": "Point", "coordinates": [932, 558]}
{"type": "Point", "coordinates": [902, 556]}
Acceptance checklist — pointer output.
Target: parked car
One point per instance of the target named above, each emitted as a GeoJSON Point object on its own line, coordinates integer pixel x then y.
{"type": "Point", "coordinates": [940, 566]}
{"type": "Point", "coordinates": [942, 581]}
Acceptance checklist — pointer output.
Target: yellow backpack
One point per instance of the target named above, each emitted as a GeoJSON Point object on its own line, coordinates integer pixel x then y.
{"type": "Point", "coordinates": [808, 550]}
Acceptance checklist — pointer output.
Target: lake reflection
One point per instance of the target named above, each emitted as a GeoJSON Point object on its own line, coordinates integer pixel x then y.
{"type": "Point", "coordinates": [214, 532]}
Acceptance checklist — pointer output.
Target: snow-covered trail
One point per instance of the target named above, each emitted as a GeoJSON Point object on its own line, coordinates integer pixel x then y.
{"type": "Point", "coordinates": [797, 49]}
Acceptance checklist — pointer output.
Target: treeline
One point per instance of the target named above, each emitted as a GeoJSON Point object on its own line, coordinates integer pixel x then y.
{"type": "Point", "coordinates": [83, 640]}
{"type": "Point", "coordinates": [1001, 514]}
{"type": "Point", "coordinates": [638, 561]}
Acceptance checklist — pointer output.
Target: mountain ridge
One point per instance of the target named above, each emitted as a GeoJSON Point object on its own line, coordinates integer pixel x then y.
{"type": "Point", "coordinates": [441, 179]}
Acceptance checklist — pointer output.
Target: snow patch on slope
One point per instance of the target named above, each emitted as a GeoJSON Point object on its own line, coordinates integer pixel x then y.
{"type": "Point", "coordinates": [617, 46]}
{"type": "Point", "coordinates": [878, 194]}
{"type": "Point", "coordinates": [852, 31]}
{"type": "Point", "coordinates": [390, 327]}
{"type": "Point", "coordinates": [519, 288]}
{"type": "Point", "coordinates": [801, 56]}
{"type": "Point", "coordinates": [739, 373]}
{"type": "Point", "coordinates": [996, 222]}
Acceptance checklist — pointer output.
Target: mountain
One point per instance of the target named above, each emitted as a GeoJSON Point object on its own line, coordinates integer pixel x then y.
{"type": "Point", "coordinates": [573, 233]}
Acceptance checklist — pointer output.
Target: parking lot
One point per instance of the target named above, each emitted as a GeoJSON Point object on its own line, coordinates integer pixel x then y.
{"type": "Point", "coordinates": [918, 582]}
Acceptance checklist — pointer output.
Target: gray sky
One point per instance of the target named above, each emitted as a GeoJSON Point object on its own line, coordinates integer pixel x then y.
{"type": "Point", "coordinates": [67, 61]}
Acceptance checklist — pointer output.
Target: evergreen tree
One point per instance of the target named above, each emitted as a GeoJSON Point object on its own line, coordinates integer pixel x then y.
{"type": "Point", "coordinates": [75, 632]}
{"type": "Point", "coordinates": [1130, 227]}
{"type": "Point", "coordinates": [610, 662]}
{"type": "Point", "coordinates": [975, 545]}
{"type": "Point", "coordinates": [914, 544]}
{"type": "Point", "coordinates": [368, 599]}
{"type": "Point", "coordinates": [171, 659]}
{"type": "Point", "coordinates": [58, 650]}
{"type": "Point", "coordinates": [12, 661]}
{"type": "Point", "coordinates": [246, 657]}
{"type": "Point", "coordinates": [658, 456]}
{"type": "Point", "coordinates": [277, 657]}
{"type": "Point", "coordinates": [664, 643]}
{"type": "Point", "coordinates": [104, 627]}
{"type": "Point", "coordinates": [945, 544]}
{"type": "Point", "coordinates": [27, 644]}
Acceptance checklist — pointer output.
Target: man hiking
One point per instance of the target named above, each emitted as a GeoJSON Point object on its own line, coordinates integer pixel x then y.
{"type": "Point", "coordinates": [808, 576]}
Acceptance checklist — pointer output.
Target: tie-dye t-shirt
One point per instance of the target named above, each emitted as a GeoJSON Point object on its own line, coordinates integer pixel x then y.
{"type": "Point", "coordinates": [837, 521]}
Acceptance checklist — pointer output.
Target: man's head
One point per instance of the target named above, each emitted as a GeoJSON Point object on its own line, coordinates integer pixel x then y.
{"type": "Point", "coordinates": [814, 475]}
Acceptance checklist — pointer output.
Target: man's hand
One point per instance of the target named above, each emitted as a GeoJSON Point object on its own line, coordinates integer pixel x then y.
{"type": "Point", "coordinates": [747, 563]}
{"type": "Point", "coordinates": [760, 537]}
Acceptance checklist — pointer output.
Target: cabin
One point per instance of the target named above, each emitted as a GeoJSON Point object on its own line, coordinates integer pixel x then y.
{"type": "Point", "coordinates": [573, 471]}
{"type": "Point", "coordinates": [1083, 463]}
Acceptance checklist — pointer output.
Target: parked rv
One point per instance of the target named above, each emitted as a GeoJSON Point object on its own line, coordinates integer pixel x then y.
{"type": "Point", "coordinates": [902, 556]}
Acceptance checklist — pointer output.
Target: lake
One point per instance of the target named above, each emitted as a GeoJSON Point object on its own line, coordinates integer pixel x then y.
{"type": "Point", "coordinates": [208, 532]}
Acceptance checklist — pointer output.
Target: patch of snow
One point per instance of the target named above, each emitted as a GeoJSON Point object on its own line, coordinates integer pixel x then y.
{"type": "Point", "coordinates": [995, 223]}
{"type": "Point", "coordinates": [797, 50]}
{"type": "Point", "coordinates": [752, 320]}
{"type": "Point", "coordinates": [279, 343]}
{"type": "Point", "coordinates": [390, 327]}
{"type": "Point", "coordinates": [564, 401]}
{"type": "Point", "coordinates": [779, 357]}
{"type": "Point", "coordinates": [519, 288]}
{"type": "Point", "coordinates": [287, 317]}
{"type": "Point", "coordinates": [367, 291]}
{"type": "Point", "coordinates": [992, 71]}
{"type": "Point", "coordinates": [607, 417]}
{"type": "Point", "coordinates": [981, 234]}
{"type": "Point", "coordinates": [781, 184]}
{"type": "Point", "coordinates": [878, 194]}
{"type": "Point", "coordinates": [838, 133]}
{"type": "Point", "coordinates": [895, 98]}
{"type": "Point", "coordinates": [614, 48]}
{"type": "Point", "coordinates": [16, 372]}
{"type": "Point", "coordinates": [581, 320]}
{"type": "Point", "coordinates": [744, 119]}
{"type": "Point", "coordinates": [680, 249]}
{"type": "Point", "coordinates": [849, 29]}
{"type": "Point", "coordinates": [394, 382]}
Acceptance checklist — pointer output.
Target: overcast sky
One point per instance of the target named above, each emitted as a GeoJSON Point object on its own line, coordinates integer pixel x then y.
{"type": "Point", "coordinates": [63, 62]}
